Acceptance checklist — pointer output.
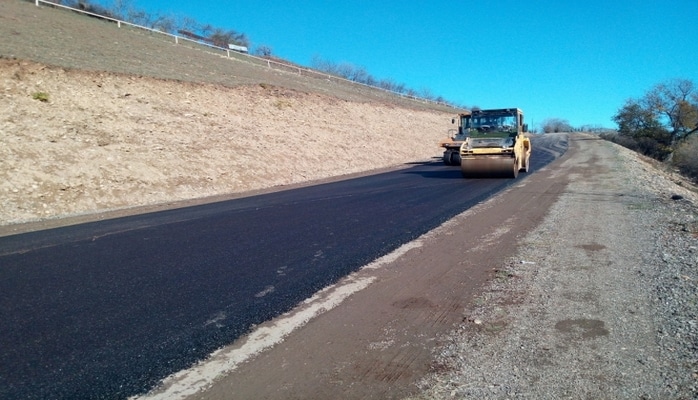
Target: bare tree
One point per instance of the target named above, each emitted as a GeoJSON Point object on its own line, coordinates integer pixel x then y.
{"type": "Point", "coordinates": [551, 125]}
{"type": "Point", "coordinates": [205, 30]}
{"type": "Point", "coordinates": [676, 102]}
{"type": "Point", "coordinates": [139, 17]}
{"type": "Point", "coordinates": [188, 24]}
{"type": "Point", "coordinates": [97, 9]}
{"type": "Point", "coordinates": [222, 38]}
{"type": "Point", "coordinates": [263, 51]}
{"type": "Point", "coordinates": [370, 80]}
{"type": "Point", "coordinates": [345, 70]}
{"type": "Point", "coordinates": [360, 75]}
{"type": "Point", "coordinates": [319, 64]}
{"type": "Point", "coordinates": [165, 24]}
{"type": "Point", "coordinates": [387, 84]}
{"type": "Point", "coordinates": [426, 93]}
{"type": "Point", "coordinates": [122, 8]}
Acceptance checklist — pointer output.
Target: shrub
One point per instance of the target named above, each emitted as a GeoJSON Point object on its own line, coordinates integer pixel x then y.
{"type": "Point", "coordinates": [653, 148]}
{"type": "Point", "coordinates": [625, 141]}
{"type": "Point", "coordinates": [686, 157]}
{"type": "Point", "coordinates": [648, 146]}
{"type": "Point", "coordinates": [41, 96]}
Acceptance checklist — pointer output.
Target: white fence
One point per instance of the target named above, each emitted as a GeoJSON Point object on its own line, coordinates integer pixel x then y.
{"type": "Point", "coordinates": [270, 63]}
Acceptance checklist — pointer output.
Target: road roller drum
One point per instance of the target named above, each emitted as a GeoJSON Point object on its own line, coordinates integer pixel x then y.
{"type": "Point", "coordinates": [489, 167]}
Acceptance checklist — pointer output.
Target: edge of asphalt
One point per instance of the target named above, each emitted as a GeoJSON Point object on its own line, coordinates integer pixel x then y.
{"type": "Point", "coordinates": [524, 204]}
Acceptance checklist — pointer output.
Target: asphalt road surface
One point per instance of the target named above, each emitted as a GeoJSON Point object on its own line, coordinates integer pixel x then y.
{"type": "Point", "coordinates": [108, 309]}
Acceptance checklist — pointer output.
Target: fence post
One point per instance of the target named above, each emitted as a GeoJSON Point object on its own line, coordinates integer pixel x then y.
{"type": "Point", "coordinates": [37, 3]}
{"type": "Point", "coordinates": [176, 39]}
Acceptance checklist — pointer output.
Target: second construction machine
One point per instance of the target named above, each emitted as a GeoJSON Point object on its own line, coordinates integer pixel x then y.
{"type": "Point", "coordinates": [495, 144]}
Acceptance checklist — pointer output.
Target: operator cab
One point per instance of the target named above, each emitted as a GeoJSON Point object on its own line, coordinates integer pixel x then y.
{"type": "Point", "coordinates": [492, 123]}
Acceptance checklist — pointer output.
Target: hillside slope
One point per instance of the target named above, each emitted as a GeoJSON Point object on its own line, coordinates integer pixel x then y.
{"type": "Point", "coordinates": [133, 119]}
{"type": "Point", "coordinates": [106, 141]}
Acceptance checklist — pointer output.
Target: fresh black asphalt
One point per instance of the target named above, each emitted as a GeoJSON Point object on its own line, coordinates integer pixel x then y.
{"type": "Point", "coordinates": [106, 310]}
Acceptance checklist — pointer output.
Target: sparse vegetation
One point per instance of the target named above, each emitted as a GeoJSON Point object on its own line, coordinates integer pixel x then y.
{"type": "Point", "coordinates": [41, 96]}
{"type": "Point", "coordinates": [360, 75]}
{"type": "Point", "coordinates": [263, 51]}
{"type": "Point", "coordinates": [282, 103]}
{"type": "Point", "coordinates": [554, 125]}
{"type": "Point", "coordinates": [190, 28]}
{"type": "Point", "coordinates": [686, 157]}
{"type": "Point", "coordinates": [662, 125]}
{"type": "Point", "coordinates": [125, 10]}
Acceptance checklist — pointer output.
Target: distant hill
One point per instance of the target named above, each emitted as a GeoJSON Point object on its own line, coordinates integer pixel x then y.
{"type": "Point", "coordinates": [63, 38]}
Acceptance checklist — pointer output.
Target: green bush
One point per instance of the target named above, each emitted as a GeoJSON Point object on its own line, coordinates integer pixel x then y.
{"type": "Point", "coordinates": [653, 148]}
{"type": "Point", "coordinates": [686, 157]}
{"type": "Point", "coordinates": [647, 146]}
{"type": "Point", "coordinates": [625, 141]}
{"type": "Point", "coordinates": [41, 96]}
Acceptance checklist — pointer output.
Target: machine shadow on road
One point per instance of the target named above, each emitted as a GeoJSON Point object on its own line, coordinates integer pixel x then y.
{"type": "Point", "coordinates": [436, 170]}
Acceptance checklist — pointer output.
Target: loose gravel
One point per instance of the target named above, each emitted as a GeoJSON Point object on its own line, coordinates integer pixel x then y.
{"type": "Point", "coordinates": [601, 300]}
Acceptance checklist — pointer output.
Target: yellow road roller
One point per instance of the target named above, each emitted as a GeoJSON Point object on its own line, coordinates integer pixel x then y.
{"type": "Point", "coordinates": [496, 145]}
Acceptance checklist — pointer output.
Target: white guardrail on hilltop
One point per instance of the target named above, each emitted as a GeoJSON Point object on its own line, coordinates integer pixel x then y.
{"type": "Point", "coordinates": [269, 63]}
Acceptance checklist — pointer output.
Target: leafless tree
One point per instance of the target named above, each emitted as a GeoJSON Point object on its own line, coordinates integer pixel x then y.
{"type": "Point", "coordinates": [188, 24]}
{"type": "Point", "coordinates": [263, 51]}
{"type": "Point", "coordinates": [165, 24]}
{"type": "Point", "coordinates": [676, 102]}
{"type": "Point", "coordinates": [122, 7]}
{"type": "Point", "coordinates": [222, 38]}
{"type": "Point", "coordinates": [551, 125]}
{"type": "Point", "coordinates": [426, 93]}
{"type": "Point", "coordinates": [139, 17]}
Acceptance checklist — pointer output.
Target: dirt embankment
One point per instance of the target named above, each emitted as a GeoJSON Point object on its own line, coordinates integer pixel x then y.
{"type": "Point", "coordinates": [105, 141]}
{"type": "Point", "coordinates": [171, 122]}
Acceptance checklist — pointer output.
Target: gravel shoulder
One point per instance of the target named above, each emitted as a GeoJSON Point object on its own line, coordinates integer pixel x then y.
{"type": "Point", "coordinates": [598, 302]}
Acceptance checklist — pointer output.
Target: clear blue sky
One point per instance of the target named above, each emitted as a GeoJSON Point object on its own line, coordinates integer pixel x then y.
{"type": "Point", "coordinates": [575, 60]}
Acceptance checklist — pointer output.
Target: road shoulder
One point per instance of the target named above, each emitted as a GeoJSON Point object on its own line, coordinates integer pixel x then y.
{"type": "Point", "coordinates": [599, 301]}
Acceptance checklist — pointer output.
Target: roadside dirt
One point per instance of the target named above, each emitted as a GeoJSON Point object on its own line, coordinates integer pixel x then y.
{"type": "Point", "coordinates": [598, 301]}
